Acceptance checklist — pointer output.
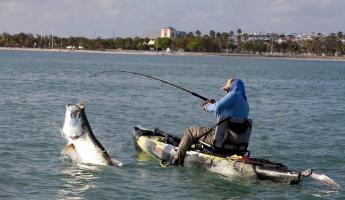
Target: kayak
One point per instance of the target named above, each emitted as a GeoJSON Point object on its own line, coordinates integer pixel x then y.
{"type": "Point", "coordinates": [163, 146]}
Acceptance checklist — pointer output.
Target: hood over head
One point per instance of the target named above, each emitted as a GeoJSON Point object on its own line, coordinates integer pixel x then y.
{"type": "Point", "coordinates": [237, 85]}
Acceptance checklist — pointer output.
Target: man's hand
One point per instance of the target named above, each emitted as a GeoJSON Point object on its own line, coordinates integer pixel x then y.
{"type": "Point", "coordinates": [211, 101]}
{"type": "Point", "coordinates": [204, 103]}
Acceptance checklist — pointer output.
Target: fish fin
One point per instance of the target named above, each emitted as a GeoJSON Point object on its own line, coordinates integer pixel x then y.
{"type": "Point", "coordinates": [116, 162]}
{"type": "Point", "coordinates": [321, 178]}
{"type": "Point", "coordinates": [70, 151]}
{"type": "Point", "coordinates": [325, 180]}
{"type": "Point", "coordinates": [62, 133]}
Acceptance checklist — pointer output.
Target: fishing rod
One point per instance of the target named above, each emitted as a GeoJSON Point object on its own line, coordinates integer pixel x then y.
{"type": "Point", "coordinates": [151, 77]}
{"type": "Point", "coordinates": [190, 92]}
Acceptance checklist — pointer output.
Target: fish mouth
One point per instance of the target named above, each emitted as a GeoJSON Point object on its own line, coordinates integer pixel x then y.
{"type": "Point", "coordinates": [73, 124]}
{"type": "Point", "coordinates": [75, 109]}
{"type": "Point", "coordinates": [75, 113]}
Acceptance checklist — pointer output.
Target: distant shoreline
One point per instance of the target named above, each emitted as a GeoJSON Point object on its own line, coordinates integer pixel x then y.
{"type": "Point", "coordinates": [143, 52]}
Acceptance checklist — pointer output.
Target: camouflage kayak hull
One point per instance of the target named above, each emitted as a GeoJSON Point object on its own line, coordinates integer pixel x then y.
{"type": "Point", "coordinates": [157, 146]}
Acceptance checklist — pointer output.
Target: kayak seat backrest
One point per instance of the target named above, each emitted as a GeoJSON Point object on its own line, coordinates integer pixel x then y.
{"type": "Point", "coordinates": [233, 134]}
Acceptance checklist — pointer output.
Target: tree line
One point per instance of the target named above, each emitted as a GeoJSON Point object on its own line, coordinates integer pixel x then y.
{"type": "Point", "coordinates": [213, 42]}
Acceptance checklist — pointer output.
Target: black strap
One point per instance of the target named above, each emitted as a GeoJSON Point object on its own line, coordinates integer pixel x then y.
{"type": "Point", "coordinates": [213, 127]}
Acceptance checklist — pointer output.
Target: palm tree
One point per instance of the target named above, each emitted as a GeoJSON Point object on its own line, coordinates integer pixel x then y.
{"type": "Point", "coordinates": [340, 35]}
{"type": "Point", "coordinates": [5, 38]}
{"type": "Point", "coordinates": [198, 33]}
{"type": "Point", "coordinates": [225, 40]}
{"type": "Point", "coordinates": [212, 34]}
{"type": "Point", "coordinates": [239, 36]}
{"type": "Point", "coordinates": [190, 34]}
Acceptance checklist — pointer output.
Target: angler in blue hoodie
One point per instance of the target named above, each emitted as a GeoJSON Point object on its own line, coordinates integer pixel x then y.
{"type": "Point", "coordinates": [233, 104]}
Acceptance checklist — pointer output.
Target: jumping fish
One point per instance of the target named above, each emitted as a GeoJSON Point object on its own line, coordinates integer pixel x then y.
{"type": "Point", "coordinates": [83, 147]}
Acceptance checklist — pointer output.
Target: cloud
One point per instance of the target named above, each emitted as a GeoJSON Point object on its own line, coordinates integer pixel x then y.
{"type": "Point", "coordinates": [135, 17]}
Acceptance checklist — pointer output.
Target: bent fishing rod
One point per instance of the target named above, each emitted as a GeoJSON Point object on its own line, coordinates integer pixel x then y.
{"type": "Point", "coordinates": [163, 81]}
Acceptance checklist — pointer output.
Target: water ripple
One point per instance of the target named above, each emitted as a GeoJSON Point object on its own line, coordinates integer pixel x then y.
{"type": "Point", "coordinates": [297, 107]}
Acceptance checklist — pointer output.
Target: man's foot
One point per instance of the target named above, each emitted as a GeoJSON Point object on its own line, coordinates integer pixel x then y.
{"type": "Point", "coordinates": [174, 162]}
{"type": "Point", "coordinates": [164, 163]}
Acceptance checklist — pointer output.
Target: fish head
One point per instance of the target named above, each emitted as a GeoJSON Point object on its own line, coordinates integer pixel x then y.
{"type": "Point", "coordinates": [74, 123]}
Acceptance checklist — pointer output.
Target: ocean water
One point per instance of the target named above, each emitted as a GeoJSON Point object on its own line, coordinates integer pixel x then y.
{"type": "Point", "coordinates": [298, 108]}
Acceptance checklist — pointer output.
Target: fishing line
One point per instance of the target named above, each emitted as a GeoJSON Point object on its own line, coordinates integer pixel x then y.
{"type": "Point", "coordinates": [151, 77]}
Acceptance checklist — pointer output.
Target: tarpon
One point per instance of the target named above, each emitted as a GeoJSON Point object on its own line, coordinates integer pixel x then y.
{"type": "Point", "coordinates": [83, 147]}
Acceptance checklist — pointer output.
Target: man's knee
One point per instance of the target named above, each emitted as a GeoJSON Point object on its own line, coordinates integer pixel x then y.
{"type": "Point", "coordinates": [192, 128]}
{"type": "Point", "coordinates": [194, 132]}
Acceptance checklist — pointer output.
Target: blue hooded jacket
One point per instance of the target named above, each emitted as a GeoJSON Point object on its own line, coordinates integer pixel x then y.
{"type": "Point", "coordinates": [233, 104]}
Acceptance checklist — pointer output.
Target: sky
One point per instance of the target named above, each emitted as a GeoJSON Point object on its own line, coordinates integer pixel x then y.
{"type": "Point", "coordinates": [129, 18]}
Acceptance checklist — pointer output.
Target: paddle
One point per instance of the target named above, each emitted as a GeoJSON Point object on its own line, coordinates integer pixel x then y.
{"type": "Point", "coordinates": [151, 77]}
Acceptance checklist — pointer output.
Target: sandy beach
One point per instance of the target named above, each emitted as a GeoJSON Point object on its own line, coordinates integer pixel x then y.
{"type": "Point", "coordinates": [177, 53]}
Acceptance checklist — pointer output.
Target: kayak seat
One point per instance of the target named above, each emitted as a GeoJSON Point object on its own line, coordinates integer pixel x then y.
{"type": "Point", "coordinates": [231, 136]}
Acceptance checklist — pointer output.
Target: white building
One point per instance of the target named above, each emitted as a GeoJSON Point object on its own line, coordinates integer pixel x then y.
{"type": "Point", "coordinates": [168, 32]}
{"type": "Point", "coordinates": [151, 43]}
